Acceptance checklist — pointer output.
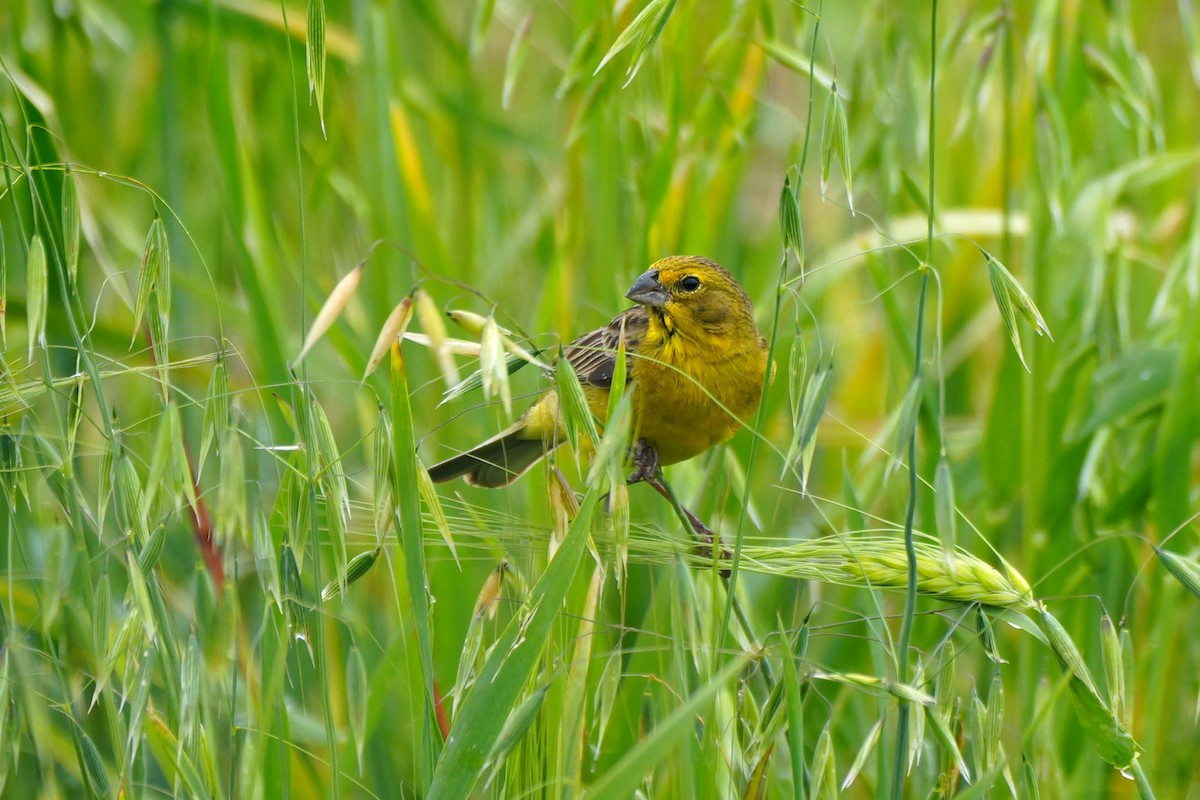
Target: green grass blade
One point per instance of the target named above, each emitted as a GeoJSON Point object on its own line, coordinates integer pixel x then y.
{"type": "Point", "coordinates": [500, 682]}
{"type": "Point", "coordinates": [407, 496]}
{"type": "Point", "coordinates": [623, 778]}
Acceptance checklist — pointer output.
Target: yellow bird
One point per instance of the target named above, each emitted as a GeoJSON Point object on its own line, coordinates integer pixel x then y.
{"type": "Point", "coordinates": [696, 365]}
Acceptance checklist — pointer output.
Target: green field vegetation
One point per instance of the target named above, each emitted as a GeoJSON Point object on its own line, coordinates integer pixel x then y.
{"type": "Point", "coordinates": [226, 575]}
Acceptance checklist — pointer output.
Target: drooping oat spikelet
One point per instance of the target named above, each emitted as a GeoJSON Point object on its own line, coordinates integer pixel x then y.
{"type": "Point", "coordinates": [435, 329]}
{"type": "Point", "coordinates": [394, 326]}
{"type": "Point", "coordinates": [334, 305]}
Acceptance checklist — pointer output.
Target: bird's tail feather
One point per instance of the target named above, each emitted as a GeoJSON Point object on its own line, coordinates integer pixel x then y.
{"type": "Point", "coordinates": [497, 462]}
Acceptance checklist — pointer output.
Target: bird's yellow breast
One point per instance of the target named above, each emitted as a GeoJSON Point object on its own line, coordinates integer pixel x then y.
{"type": "Point", "coordinates": [692, 393]}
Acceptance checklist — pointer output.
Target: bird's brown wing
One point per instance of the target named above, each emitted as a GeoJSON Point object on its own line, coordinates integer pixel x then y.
{"type": "Point", "coordinates": [593, 356]}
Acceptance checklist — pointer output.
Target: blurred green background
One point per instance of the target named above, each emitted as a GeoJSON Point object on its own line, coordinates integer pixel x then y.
{"type": "Point", "coordinates": [531, 159]}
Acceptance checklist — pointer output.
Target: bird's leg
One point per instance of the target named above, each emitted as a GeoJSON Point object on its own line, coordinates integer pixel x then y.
{"type": "Point", "coordinates": [647, 470]}
{"type": "Point", "coordinates": [645, 462]}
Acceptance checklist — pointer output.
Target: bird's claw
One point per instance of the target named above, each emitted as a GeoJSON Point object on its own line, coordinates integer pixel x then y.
{"type": "Point", "coordinates": [645, 463]}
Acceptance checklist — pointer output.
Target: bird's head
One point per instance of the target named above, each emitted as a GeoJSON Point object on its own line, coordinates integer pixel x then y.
{"type": "Point", "coordinates": [692, 294]}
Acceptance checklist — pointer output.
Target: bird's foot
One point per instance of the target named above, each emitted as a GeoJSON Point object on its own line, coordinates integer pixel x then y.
{"type": "Point", "coordinates": [645, 463]}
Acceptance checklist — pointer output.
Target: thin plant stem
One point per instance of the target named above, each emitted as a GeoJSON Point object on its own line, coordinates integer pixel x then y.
{"type": "Point", "coordinates": [304, 395]}
{"type": "Point", "coordinates": [910, 593]}
{"type": "Point", "coordinates": [732, 602]}
{"type": "Point", "coordinates": [773, 340]}
{"type": "Point", "coordinates": [1140, 780]}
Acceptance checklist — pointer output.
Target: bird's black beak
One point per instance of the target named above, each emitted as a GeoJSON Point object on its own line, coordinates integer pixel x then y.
{"type": "Point", "coordinates": [647, 291]}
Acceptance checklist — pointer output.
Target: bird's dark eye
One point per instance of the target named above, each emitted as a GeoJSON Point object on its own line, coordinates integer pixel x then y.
{"type": "Point", "coordinates": [690, 284]}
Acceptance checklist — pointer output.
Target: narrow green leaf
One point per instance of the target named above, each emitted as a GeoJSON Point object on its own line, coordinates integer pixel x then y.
{"type": "Point", "coordinates": [605, 695]}
{"type": "Point", "coordinates": [797, 62]}
{"type": "Point", "coordinates": [70, 225]}
{"type": "Point", "coordinates": [789, 222]}
{"type": "Point", "coordinates": [175, 762]}
{"type": "Point", "coordinates": [216, 412]}
{"type": "Point", "coordinates": [1004, 304]}
{"type": "Point", "coordinates": [906, 423]}
{"type": "Point", "coordinates": [645, 27]}
{"type": "Point", "coordinates": [794, 695]}
{"type": "Point", "coordinates": [36, 293]}
{"type": "Point", "coordinates": [357, 700]}
{"type": "Point", "coordinates": [139, 702]}
{"type": "Point", "coordinates": [572, 734]}
{"type": "Point", "coordinates": [152, 549]}
{"type": "Point", "coordinates": [151, 273]}
{"type": "Point", "coordinates": [266, 566]}
{"type": "Point", "coordinates": [332, 479]}
{"type": "Point", "coordinates": [181, 469]}
{"type": "Point", "coordinates": [835, 143]}
{"type": "Point", "coordinates": [128, 499]}
{"type": "Point", "coordinates": [516, 725]}
{"type": "Point", "coordinates": [1029, 781]}
{"type": "Point", "coordinates": [576, 413]}
{"type": "Point", "coordinates": [314, 55]}
{"type": "Point", "coordinates": [381, 476]}
{"type": "Point", "coordinates": [406, 495]}
{"type": "Point", "coordinates": [497, 689]}
{"type": "Point", "coordinates": [1110, 739]}
{"type": "Point", "coordinates": [1185, 570]}
{"type": "Point", "coordinates": [610, 451]}
{"type": "Point", "coordinates": [1178, 431]}
{"type": "Point", "coordinates": [230, 506]}
{"type": "Point", "coordinates": [949, 745]}
{"type": "Point", "coordinates": [994, 732]}
{"type": "Point", "coordinates": [358, 566]}
{"type": "Point", "coordinates": [160, 460]}
{"type": "Point", "coordinates": [864, 752]}
{"type": "Point", "coordinates": [944, 507]}
{"type": "Point", "coordinates": [189, 697]}
{"type": "Point", "coordinates": [1011, 297]}
{"type": "Point", "coordinates": [637, 762]}
{"type": "Point", "coordinates": [756, 787]}
{"type": "Point", "coordinates": [8, 728]}
{"type": "Point", "coordinates": [4, 291]}
{"type": "Point", "coordinates": [141, 595]}
{"type": "Point", "coordinates": [292, 590]}
{"type": "Point", "coordinates": [480, 24]}
{"type": "Point", "coordinates": [101, 611]}
{"type": "Point", "coordinates": [433, 504]}
{"type": "Point", "coordinates": [516, 58]}
{"type": "Point", "coordinates": [1128, 678]}
{"type": "Point", "coordinates": [815, 398]}
{"type": "Point", "coordinates": [822, 786]}
{"type": "Point", "coordinates": [91, 762]}
{"type": "Point", "coordinates": [576, 69]}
